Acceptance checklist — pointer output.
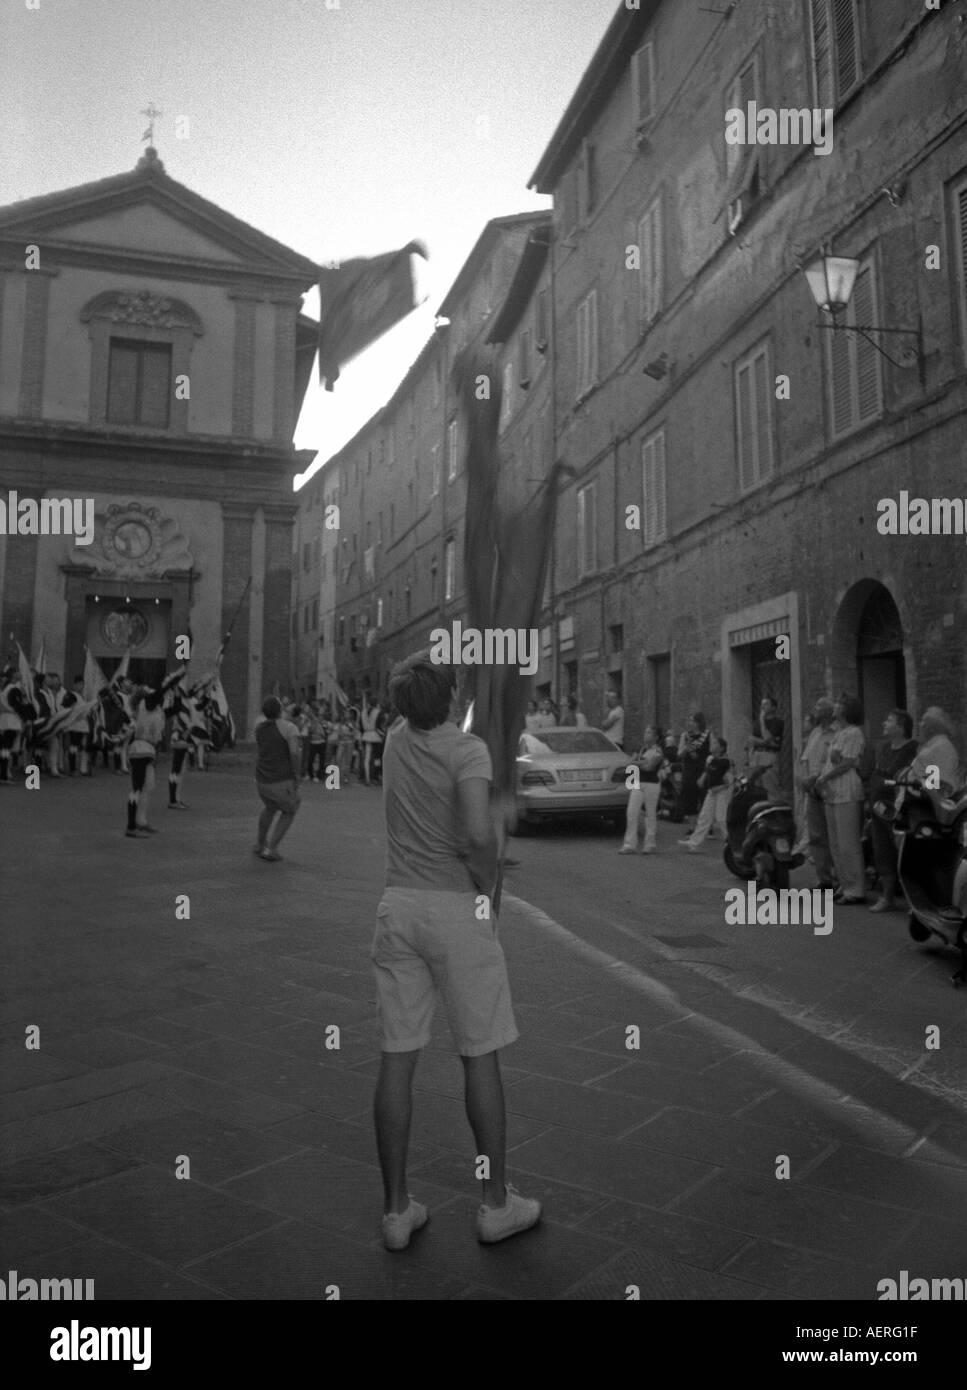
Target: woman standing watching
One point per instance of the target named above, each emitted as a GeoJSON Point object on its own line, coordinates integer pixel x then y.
{"type": "Point", "coordinates": [896, 750]}
{"type": "Point", "coordinates": [649, 759]}
{"type": "Point", "coordinates": [937, 749]}
{"type": "Point", "coordinates": [841, 788]}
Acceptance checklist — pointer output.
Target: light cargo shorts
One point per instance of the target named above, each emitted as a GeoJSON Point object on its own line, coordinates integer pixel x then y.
{"type": "Point", "coordinates": [428, 943]}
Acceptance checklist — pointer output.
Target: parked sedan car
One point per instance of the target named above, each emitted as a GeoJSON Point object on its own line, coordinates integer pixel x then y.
{"type": "Point", "coordinates": [569, 772]}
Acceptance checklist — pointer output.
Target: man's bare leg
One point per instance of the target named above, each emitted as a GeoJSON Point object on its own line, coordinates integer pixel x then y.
{"type": "Point", "coordinates": [484, 1099]}
{"type": "Point", "coordinates": [392, 1108]}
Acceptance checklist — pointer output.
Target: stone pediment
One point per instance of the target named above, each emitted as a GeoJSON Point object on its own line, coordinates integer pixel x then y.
{"type": "Point", "coordinates": [145, 214]}
{"type": "Point", "coordinates": [132, 541]}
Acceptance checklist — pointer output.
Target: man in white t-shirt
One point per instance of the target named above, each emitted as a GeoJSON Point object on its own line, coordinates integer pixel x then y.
{"type": "Point", "coordinates": [436, 933]}
{"type": "Point", "coordinates": [613, 723]}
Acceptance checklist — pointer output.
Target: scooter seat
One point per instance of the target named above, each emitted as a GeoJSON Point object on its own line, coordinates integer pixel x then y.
{"type": "Point", "coordinates": [951, 914]}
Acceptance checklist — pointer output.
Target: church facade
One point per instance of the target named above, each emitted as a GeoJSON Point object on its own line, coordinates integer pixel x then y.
{"type": "Point", "coordinates": [153, 362]}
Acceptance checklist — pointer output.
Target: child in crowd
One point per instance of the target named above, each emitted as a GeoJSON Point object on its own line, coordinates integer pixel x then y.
{"type": "Point", "coordinates": [715, 781]}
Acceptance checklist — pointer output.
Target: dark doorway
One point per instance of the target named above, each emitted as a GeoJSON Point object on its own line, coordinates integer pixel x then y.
{"type": "Point", "coordinates": [880, 664]}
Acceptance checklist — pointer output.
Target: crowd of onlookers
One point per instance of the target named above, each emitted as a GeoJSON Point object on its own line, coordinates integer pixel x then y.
{"type": "Point", "coordinates": [842, 794]}
{"type": "Point", "coordinates": [347, 737]}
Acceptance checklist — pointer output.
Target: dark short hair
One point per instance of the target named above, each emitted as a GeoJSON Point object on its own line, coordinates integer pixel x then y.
{"type": "Point", "coordinates": [152, 699]}
{"type": "Point", "coordinates": [272, 707]}
{"type": "Point", "coordinates": [852, 708]}
{"type": "Point", "coordinates": [905, 721]}
{"type": "Point", "coordinates": [572, 702]}
{"type": "Point", "coordinates": [700, 720]}
{"type": "Point", "coordinates": [422, 689]}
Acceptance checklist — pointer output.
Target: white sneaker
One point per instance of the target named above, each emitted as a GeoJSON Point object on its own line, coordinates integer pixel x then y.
{"type": "Point", "coordinates": [399, 1226]}
{"type": "Point", "coordinates": [518, 1214]}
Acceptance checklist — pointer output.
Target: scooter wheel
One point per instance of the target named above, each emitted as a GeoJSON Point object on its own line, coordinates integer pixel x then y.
{"type": "Point", "coordinates": [733, 866]}
{"type": "Point", "coordinates": [917, 930]}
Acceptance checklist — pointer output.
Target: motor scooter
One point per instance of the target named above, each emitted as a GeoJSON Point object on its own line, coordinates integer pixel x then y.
{"type": "Point", "coordinates": [931, 825]}
{"type": "Point", "coordinates": [761, 834]}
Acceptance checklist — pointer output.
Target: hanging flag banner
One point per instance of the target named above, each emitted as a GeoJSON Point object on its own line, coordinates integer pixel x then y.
{"type": "Point", "coordinates": [361, 300]}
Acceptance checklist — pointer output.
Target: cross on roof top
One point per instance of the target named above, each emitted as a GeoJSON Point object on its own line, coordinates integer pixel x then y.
{"type": "Point", "coordinates": [152, 116]}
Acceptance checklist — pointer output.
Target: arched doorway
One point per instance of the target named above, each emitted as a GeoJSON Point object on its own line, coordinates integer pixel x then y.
{"type": "Point", "coordinates": [868, 651]}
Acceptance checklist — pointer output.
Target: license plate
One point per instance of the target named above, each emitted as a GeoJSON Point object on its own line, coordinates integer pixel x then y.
{"type": "Point", "coordinates": [782, 846]}
{"type": "Point", "coordinates": [581, 774]}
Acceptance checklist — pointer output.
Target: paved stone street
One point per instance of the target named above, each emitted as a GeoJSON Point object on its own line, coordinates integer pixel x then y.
{"type": "Point", "coordinates": [163, 1039]}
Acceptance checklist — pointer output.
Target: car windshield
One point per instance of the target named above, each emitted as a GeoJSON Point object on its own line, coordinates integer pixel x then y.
{"type": "Point", "coordinates": [551, 741]}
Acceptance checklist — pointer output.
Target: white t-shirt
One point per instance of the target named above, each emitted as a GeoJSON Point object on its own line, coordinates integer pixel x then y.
{"type": "Point", "coordinates": [614, 724]}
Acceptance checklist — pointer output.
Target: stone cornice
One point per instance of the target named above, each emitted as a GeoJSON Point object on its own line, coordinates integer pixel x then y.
{"type": "Point", "coordinates": [49, 437]}
{"type": "Point", "coordinates": [123, 261]}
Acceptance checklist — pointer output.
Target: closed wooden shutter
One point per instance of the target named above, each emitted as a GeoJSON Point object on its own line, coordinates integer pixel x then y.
{"type": "Point", "coordinates": [763, 417]}
{"type": "Point", "coordinates": [744, 425]}
{"type": "Point", "coordinates": [155, 385]}
{"type": "Point", "coordinates": [122, 394]}
{"type": "Point", "coordinates": [868, 376]}
{"type": "Point", "coordinates": [841, 381]}
{"type": "Point", "coordinates": [592, 337]}
{"type": "Point", "coordinates": [847, 46]}
{"type": "Point", "coordinates": [643, 83]}
{"type": "Point", "coordinates": [822, 54]}
{"type": "Point", "coordinates": [960, 213]}
{"type": "Point", "coordinates": [653, 482]}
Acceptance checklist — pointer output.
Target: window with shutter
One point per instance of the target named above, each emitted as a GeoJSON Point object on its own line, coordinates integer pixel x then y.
{"type": "Point", "coordinates": [586, 181]}
{"type": "Point", "coordinates": [650, 247]}
{"type": "Point", "coordinates": [587, 343]}
{"type": "Point", "coordinates": [452, 446]}
{"type": "Point", "coordinates": [643, 83]}
{"type": "Point", "coordinates": [653, 488]}
{"type": "Point", "coordinates": [856, 380]}
{"type": "Point", "coordinates": [847, 48]}
{"type": "Point", "coordinates": [745, 88]}
{"type": "Point", "coordinates": [836, 50]}
{"type": "Point", "coordinates": [587, 531]}
{"type": "Point", "coordinates": [960, 252]}
{"type": "Point", "coordinates": [753, 418]}
{"type": "Point", "coordinates": [139, 383]}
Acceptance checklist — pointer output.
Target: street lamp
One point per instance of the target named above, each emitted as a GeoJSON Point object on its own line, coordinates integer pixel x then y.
{"type": "Point", "coordinates": [831, 280]}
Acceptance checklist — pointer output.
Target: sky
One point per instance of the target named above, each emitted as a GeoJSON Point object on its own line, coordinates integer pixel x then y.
{"type": "Point", "coordinates": [340, 127]}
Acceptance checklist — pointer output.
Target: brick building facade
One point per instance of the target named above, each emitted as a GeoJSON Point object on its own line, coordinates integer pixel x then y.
{"type": "Point", "coordinates": [725, 451]}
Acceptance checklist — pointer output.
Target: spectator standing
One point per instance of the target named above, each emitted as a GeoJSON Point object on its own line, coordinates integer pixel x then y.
{"type": "Point", "coordinates": [937, 748]}
{"type": "Point", "coordinates": [896, 750]}
{"type": "Point", "coordinates": [812, 761]}
{"type": "Point", "coordinates": [532, 717]}
{"type": "Point", "coordinates": [572, 718]}
{"type": "Point", "coordinates": [613, 723]}
{"type": "Point", "coordinates": [649, 759]}
{"type": "Point", "coordinates": [546, 718]}
{"type": "Point", "coordinates": [841, 788]}
{"type": "Point", "coordinates": [766, 745]}
{"type": "Point", "coordinates": [715, 782]}
{"type": "Point", "coordinates": [371, 738]}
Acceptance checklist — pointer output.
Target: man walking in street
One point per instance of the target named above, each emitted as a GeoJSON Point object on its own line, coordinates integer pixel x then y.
{"type": "Point", "coordinates": [277, 769]}
{"type": "Point", "coordinates": [436, 932]}
{"type": "Point", "coordinates": [812, 760]}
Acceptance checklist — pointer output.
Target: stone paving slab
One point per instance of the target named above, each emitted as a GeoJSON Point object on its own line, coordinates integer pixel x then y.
{"type": "Point", "coordinates": [217, 1149]}
{"type": "Point", "coordinates": [149, 1210]}
{"type": "Point", "coordinates": [798, 1214]}
{"type": "Point", "coordinates": [295, 1261]}
{"type": "Point", "coordinates": [656, 1277]}
{"type": "Point", "coordinates": [61, 1170]}
{"type": "Point", "coordinates": [614, 1168]}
